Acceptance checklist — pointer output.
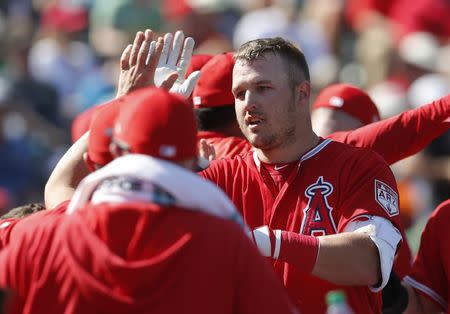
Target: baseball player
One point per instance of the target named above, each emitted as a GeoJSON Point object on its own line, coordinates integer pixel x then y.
{"type": "Point", "coordinates": [429, 278]}
{"type": "Point", "coordinates": [340, 108]}
{"type": "Point", "coordinates": [139, 236]}
{"type": "Point", "coordinates": [325, 212]}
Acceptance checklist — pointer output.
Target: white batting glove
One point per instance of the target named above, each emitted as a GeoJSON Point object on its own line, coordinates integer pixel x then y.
{"type": "Point", "coordinates": [171, 62]}
{"type": "Point", "coordinates": [268, 241]}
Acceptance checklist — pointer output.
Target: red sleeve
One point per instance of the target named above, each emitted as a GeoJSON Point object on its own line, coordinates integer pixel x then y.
{"type": "Point", "coordinates": [260, 290]}
{"type": "Point", "coordinates": [402, 135]}
{"type": "Point", "coordinates": [370, 189]}
{"type": "Point", "coordinates": [429, 274]}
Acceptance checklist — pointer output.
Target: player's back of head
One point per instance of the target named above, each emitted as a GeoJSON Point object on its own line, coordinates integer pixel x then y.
{"type": "Point", "coordinates": [156, 123]}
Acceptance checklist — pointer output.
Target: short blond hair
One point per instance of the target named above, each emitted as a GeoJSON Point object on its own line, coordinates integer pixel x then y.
{"type": "Point", "coordinates": [295, 60]}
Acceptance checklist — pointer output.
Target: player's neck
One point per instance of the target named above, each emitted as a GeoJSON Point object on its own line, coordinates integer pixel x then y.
{"type": "Point", "coordinates": [290, 152]}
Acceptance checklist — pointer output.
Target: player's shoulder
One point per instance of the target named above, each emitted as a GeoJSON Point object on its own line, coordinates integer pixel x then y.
{"type": "Point", "coordinates": [356, 153]}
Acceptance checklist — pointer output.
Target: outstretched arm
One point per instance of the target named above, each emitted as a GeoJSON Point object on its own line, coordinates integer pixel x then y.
{"type": "Point", "coordinates": [69, 171]}
{"type": "Point", "coordinates": [402, 135]}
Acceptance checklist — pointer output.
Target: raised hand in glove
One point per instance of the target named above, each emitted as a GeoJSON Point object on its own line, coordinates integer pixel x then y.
{"type": "Point", "coordinates": [175, 58]}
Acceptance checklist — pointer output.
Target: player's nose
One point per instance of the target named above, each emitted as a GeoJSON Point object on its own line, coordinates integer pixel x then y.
{"type": "Point", "coordinates": [250, 101]}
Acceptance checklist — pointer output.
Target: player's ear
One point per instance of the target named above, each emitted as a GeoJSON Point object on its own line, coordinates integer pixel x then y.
{"type": "Point", "coordinates": [303, 90]}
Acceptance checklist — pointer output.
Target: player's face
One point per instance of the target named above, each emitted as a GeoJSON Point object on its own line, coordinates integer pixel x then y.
{"type": "Point", "coordinates": [265, 102]}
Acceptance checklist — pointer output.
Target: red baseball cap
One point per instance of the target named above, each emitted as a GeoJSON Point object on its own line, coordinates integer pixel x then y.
{"type": "Point", "coordinates": [350, 99]}
{"type": "Point", "coordinates": [101, 134]}
{"type": "Point", "coordinates": [197, 63]}
{"type": "Point", "coordinates": [213, 89]}
{"type": "Point", "coordinates": [157, 123]}
{"type": "Point", "coordinates": [82, 122]}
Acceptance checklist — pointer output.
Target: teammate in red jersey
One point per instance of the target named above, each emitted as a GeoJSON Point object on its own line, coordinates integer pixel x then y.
{"type": "Point", "coordinates": [342, 107]}
{"type": "Point", "coordinates": [430, 275]}
{"type": "Point", "coordinates": [139, 236]}
{"type": "Point", "coordinates": [300, 192]}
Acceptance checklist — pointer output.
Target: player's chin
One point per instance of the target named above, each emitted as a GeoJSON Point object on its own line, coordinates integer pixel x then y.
{"type": "Point", "coordinates": [259, 142]}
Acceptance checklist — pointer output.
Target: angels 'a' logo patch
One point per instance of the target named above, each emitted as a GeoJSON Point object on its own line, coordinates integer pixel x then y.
{"type": "Point", "coordinates": [387, 198]}
{"type": "Point", "coordinates": [317, 216]}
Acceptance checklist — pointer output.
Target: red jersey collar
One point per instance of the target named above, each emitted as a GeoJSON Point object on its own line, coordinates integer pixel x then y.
{"type": "Point", "coordinates": [311, 153]}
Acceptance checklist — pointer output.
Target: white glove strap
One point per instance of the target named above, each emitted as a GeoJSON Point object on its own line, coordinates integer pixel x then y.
{"type": "Point", "coordinates": [276, 253]}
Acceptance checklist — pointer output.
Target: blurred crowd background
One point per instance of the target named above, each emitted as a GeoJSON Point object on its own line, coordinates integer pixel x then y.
{"type": "Point", "coordinates": [60, 57]}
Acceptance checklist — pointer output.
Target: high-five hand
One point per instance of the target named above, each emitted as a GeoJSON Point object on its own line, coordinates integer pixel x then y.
{"type": "Point", "coordinates": [137, 64]}
{"type": "Point", "coordinates": [175, 58]}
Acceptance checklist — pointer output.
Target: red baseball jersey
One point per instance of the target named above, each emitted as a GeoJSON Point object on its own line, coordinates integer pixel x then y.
{"type": "Point", "coordinates": [138, 258]}
{"type": "Point", "coordinates": [332, 184]}
{"type": "Point", "coordinates": [430, 274]}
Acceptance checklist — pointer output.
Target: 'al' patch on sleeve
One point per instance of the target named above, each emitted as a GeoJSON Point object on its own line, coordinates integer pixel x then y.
{"type": "Point", "coordinates": [387, 198]}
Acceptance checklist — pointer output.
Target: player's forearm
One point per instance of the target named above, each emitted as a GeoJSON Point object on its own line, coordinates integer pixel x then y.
{"type": "Point", "coordinates": [69, 171]}
{"type": "Point", "coordinates": [344, 258]}
{"type": "Point", "coordinates": [348, 259]}
{"type": "Point", "coordinates": [418, 127]}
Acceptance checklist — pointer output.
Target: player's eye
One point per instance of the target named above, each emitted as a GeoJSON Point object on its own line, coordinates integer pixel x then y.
{"type": "Point", "coordinates": [263, 88]}
{"type": "Point", "coordinates": [239, 95]}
